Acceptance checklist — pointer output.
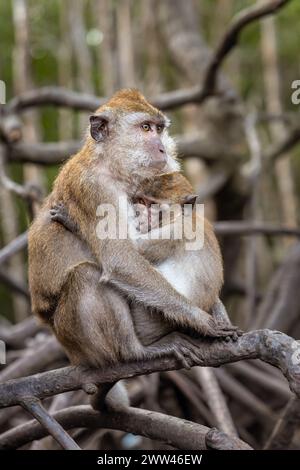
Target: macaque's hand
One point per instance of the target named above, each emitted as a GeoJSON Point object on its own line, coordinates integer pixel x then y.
{"type": "Point", "coordinates": [60, 214]}
{"type": "Point", "coordinates": [208, 326]}
{"type": "Point", "coordinates": [149, 217]}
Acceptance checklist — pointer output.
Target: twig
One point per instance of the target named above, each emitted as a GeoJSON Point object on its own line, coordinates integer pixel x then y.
{"type": "Point", "coordinates": [47, 153]}
{"type": "Point", "coordinates": [187, 389]}
{"type": "Point", "coordinates": [13, 247]}
{"type": "Point", "coordinates": [241, 394]}
{"type": "Point", "coordinates": [280, 307]}
{"type": "Point", "coordinates": [62, 97]}
{"type": "Point", "coordinates": [214, 397]}
{"type": "Point", "coordinates": [52, 95]}
{"type": "Point", "coordinates": [29, 192]}
{"type": "Point", "coordinates": [263, 379]}
{"type": "Point", "coordinates": [53, 153]}
{"type": "Point", "coordinates": [282, 147]}
{"type": "Point", "coordinates": [36, 360]}
{"type": "Point", "coordinates": [216, 180]}
{"type": "Point", "coordinates": [34, 406]}
{"type": "Point", "coordinates": [254, 175]}
{"type": "Point", "coordinates": [14, 284]}
{"type": "Point", "coordinates": [285, 427]}
{"type": "Point", "coordinates": [231, 37]}
{"type": "Point", "coordinates": [10, 127]}
{"type": "Point", "coordinates": [245, 228]}
{"type": "Point", "coordinates": [179, 433]}
{"type": "Point", "coordinates": [17, 335]}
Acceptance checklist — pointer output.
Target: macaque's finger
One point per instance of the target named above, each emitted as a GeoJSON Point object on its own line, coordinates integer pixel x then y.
{"type": "Point", "coordinates": [221, 330]}
{"type": "Point", "coordinates": [181, 358]}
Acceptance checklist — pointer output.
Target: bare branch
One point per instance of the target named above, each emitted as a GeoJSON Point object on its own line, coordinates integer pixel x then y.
{"type": "Point", "coordinates": [191, 392]}
{"type": "Point", "coordinates": [51, 153]}
{"type": "Point", "coordinates": [16, 335]}
{"type": "Point", "coordinates": [285, 427]}
{"type": "Point", "coordinates": [280, 306]}
{"type": "Point", "coordinates": [179, 433]}
{"type": "Point", "coordinates": [292, 139]}
{"type": "Point", "coordinates": [273, 347]}
{"type": "Point", "coordinates": [34, 406]}
{"type": "Point", "coordinates": [244, 396]}
{"type": "Point", "coordinates": [54, 96]}
{"type": "Point", "coordinates": [261, 378]}
{"type": "Point", "coordinates": [29, 192]}
{"type": "Point", "coordinates": [62, 97]}
{"type": "Point", "coordinates": [10, 127]}
{"type": "Point", "coordinates": [215, 399]}
{"type": "Point", "coordinates": [14, 284]}
{"type": "Point", "coordinates": [231, 37]}
{"type": "Point", "coordinates": [35, 360]}
{"type": "Point", "coordinates": [244, 228]}
{"type": "Point", "coordinates": [216, 180]}
{"type": "Point", "coordinates": [13, 247]}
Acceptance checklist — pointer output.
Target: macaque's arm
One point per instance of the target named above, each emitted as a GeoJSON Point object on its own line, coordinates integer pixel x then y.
{"type": "Point", "coordinates": [125, 268]}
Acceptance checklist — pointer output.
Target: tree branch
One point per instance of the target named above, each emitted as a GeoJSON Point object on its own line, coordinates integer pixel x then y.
{"type": "Point", "coordinates": [13, 247]}
{"type": "Point", "coordinates": [34, 406]}
{"type": "Point", "coordinates": [85, 102]}
{"type": "Point", "coordinates": [231, 37]}
{"type": "Point", "coordinates": [215, 399]}
{"type": "Point", "coordinates": [292, 139]}
{"type": "Point", "coordinates": [285, 427]}
{"type": "Point", "coordinates": [273, 347]}
{"type": "Point", "coordinates": [179, 433]}
{"type": "Point", "coordinates": [244, 228]}
{"type": "Point", "coordinates": [53, 153]}
{"type": "Point", "coordinates": [35, 360]}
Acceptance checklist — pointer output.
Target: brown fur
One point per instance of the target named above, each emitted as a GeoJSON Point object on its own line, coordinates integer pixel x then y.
{"type": "Point", "coordinates": [80, 285]}
{"type": "Point", "coordinates": [130, 100]}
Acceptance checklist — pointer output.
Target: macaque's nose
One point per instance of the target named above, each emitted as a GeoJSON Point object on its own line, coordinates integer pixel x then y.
{"type": "Point", "coordinates": [158, 152]}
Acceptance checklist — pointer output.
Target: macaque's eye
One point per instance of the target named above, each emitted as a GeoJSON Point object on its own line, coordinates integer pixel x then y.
{"type": "Point", "coordinates": [160, 128]}
{"type": "Point", "coordinates": [146, 126]}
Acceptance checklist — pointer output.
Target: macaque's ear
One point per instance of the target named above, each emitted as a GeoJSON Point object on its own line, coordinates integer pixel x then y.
{"type": "Point", "coordinates": [99, 127]}
{"type": "Point", "coordinates": [190, 199]}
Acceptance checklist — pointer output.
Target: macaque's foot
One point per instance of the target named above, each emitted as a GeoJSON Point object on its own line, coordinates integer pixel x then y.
{"type": "Point", "coordinates": [235, 336]}
{"type": "Point", "coordinates": [59, 213]}
{"type": "Point", "coordinates": [186, 350]}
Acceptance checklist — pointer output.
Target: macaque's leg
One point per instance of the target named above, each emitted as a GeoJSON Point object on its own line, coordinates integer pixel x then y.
{"type": "Point", "coordinates": [93, 322]}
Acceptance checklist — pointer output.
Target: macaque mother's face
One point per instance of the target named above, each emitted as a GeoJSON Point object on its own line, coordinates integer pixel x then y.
{"type": "Point", "coordinates": [137, 141]}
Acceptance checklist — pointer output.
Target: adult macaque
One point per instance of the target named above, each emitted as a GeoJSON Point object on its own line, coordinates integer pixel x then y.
{"type": "Point", "coordinates": [82, 285]}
